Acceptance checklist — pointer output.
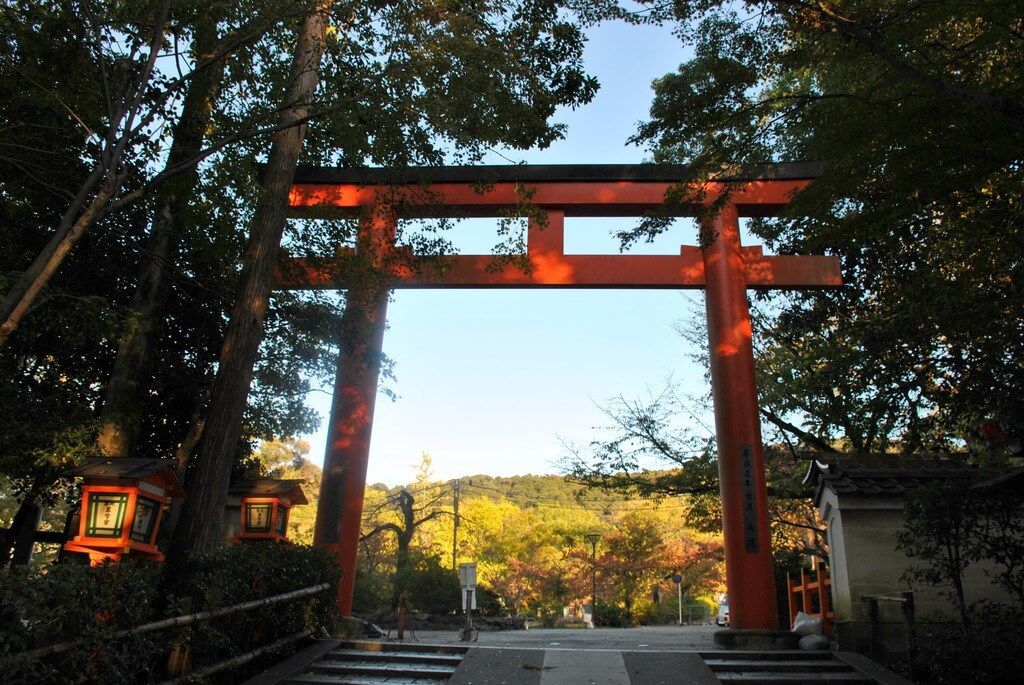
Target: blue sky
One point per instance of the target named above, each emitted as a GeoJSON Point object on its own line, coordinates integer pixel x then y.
{"type": "Point", "coordinates": [492, 381]}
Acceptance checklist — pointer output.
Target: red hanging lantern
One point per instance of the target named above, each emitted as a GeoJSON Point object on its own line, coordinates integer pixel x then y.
{"type": "Point", "coordinates": [123, 503]}
{"type": "Point", "coordinates": [264, 506]}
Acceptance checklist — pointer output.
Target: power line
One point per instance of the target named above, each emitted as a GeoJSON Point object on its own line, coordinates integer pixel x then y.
{"type": "Point", "coordinates": [455, 530]}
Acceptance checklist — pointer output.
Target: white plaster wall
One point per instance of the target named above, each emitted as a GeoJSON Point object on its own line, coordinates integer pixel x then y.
{"type": "Point", "coordinates": [231, 523]}
{"type": "Point", "coordinates": [837, 557]}
{"type": "Point", "coordinates": [864, 561]}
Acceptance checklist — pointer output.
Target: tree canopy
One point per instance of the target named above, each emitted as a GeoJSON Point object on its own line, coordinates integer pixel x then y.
{"type": "Point", "coordinates": [917, 108]}
{"type": "Point", "coordinates": [132, 136]}
{"type": "Point", "coordinates": [528, 536]}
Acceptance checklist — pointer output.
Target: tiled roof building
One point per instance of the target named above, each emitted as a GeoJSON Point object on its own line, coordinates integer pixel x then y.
{"type": "Point", "coordinates": [860, 499]}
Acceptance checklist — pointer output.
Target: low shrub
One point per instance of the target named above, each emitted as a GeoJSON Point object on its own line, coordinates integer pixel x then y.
{"type": "Point", "coordinates": [73, 602]}
{"type": "Point", "coordinates": [608, 615]}
{"type": "Point", "coordinates": [553, 620]}
{"type": "Point", "coordinates": [245, 572]}
{"type": "Point", "coordinates": [373, 590]}
{"type": "Point", "coordinates": [430, 586]}
{"type": "Point", "coordinates": [988, 652]}
{"type": "Point", "coordinates": [489, 602]}
{"type": "Point", "coordinates": [69, 602]}
{"type": "Point", "coordinates": [646, 613]}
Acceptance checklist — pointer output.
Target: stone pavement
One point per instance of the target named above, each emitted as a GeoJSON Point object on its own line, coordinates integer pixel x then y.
{"type": "Point", "coordinates": [639, 656]}
{"type": "Point", "coordinates": [648, 638]}
{"type": "Point", "coordinates": [602, 656]}
{"type": "Point", "coordinates": [509, 666]}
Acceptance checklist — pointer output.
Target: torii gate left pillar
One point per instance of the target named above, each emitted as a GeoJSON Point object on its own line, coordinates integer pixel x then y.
{"type": "Point", "coordinates": [361, 338]}
{"type": "Point", "coordinates": [723, 267]}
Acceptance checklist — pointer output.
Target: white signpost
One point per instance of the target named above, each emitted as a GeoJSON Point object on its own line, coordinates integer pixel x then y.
{"type": "Point", "coordinates": [678, 580]}
{"type": "Point", "coordinates": [467, 582]}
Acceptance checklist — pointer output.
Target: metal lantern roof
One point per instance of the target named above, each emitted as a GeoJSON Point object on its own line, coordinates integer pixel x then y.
{"type": "Point", "coordinates": [270, 487]}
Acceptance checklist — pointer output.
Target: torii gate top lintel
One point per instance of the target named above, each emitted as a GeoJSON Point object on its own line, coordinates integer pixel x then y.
{"type": "Point", "coordinates": [578, 189]}
{"type": "Point", "coordinates": [561, 191]}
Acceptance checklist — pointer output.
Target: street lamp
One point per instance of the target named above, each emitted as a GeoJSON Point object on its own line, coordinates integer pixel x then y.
{"type": "Point", "coordinates": [593, 538]}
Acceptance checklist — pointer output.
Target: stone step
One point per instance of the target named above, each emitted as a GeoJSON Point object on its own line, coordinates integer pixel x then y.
{"type": "Point", "coordinates": [378, 668]}
{"type": "Point", "coordinates": [376, 663]}
{"type": "Point", "coordinates": [767, 655]}
{"type": "Point", "coordinates": [823, 665]}
{"type": "Point", "coordinates": [370, 646]}
{"type": "Point", "coordinates": [393, 657]}
{"type": "Point", "coordinates": [794, 678]}
{"type": "Point", "coordinates": [321, 679]}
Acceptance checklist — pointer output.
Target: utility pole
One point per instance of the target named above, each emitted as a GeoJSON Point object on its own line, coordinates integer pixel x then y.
{"type": "Point", "coordinates": [593, 538]}
{"type": "Point", "coordinates": [455, 530]}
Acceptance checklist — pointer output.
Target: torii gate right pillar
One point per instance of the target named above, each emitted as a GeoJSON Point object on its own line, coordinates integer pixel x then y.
{"type": "Point", "coordinates": [748, 552]}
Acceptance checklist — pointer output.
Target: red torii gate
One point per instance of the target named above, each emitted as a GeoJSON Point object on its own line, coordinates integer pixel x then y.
{"type": "Point", "coordinates": [723, 268]}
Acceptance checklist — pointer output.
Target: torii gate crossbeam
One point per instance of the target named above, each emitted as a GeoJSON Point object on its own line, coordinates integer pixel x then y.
{"type": "Point", "coordinates": [723, 267]}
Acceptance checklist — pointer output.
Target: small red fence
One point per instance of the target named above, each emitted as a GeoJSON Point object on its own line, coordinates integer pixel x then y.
{"type": "Point", "coordinates": [811, 594]}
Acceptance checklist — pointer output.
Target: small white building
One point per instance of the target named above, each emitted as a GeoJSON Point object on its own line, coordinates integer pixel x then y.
{"type": "Point", "coordinates": [860, 499]}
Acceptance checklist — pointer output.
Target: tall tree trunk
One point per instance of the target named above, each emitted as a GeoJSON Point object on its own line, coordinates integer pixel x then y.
{"type": "Point", "coordinates": [403, 540]}
{"type": "Point", "coordinates": [24, 540]}
{"type": "Point", "coordinates": [105, 180]}
{"type": "Point", "coordinates": [123, 405]}
{"type": "Point", "coordinates": [199, 528]}
{"type": "Point", "coordinates": [30, 284]}
{"type": "Point", "coordinates": [26, 520]}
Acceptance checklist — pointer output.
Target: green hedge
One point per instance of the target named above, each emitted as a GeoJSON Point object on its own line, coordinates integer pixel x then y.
{"type": "Point", "coordinates": [70, 601]}
{"type": "Point", "coordinates": [608, 615]}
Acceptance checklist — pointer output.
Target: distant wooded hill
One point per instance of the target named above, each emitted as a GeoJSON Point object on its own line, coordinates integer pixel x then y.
{"type": "Point", "coordinates": [550, 491]}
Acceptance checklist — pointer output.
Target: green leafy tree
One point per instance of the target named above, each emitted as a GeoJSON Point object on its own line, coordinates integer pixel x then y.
{"type": "Point", "coordinates": [408, 83]}
{"type": "Point", "coordinates": [649, 450]}
{"type": "Point", "coordinates": [125, 48]}
{"type": "Point", "coordinates": [57, 369]}
{"type": "Point", "coordinates": [527, 535]}
{"type": "Point", "coordinates": [288, 459]}
{"type": "Point", "coordinates": [950, 528]}
{"type": "Point", "coordinates": [917, 108]}
{"type": "Point", "coordinates": [634, 559]}
{"type": "Point", "coordinates": [406, 518]}
{"type": "Point", "coordinates": [938, 532]}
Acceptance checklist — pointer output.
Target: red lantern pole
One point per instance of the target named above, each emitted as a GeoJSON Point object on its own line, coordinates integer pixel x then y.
{"type": "Point", "coordinates": [748, 554]}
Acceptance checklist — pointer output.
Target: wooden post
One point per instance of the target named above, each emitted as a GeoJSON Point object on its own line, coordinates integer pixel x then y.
{"type": "Point", "coordinates": [789, 599]}
{"type": "Point", "coordinates": [805, 593]}
{"type": "Point", "coordinates": [908, 619]}
{"type": "Point", "coordinates": [823, 597]}
{"type": "Point", "coordinates": [467, 632]}
{"type": "Point", "coordinates": [872, 627]}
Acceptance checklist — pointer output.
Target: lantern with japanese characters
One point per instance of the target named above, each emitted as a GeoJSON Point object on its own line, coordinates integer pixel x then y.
{"type": "Point", "coordinates": [263, 507]}
{"type": "Point", "coordinates": [123, 502]}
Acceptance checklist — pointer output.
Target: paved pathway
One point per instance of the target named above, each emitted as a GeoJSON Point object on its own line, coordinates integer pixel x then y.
{"type": "Point", "coordinates": [667, 655]}
{"type": "Point", "coordinates": [650, 638]}
{"type": "Point", "coordinates": [602, 656]}
{"type": "Point", "coordinates": [554, 666]}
